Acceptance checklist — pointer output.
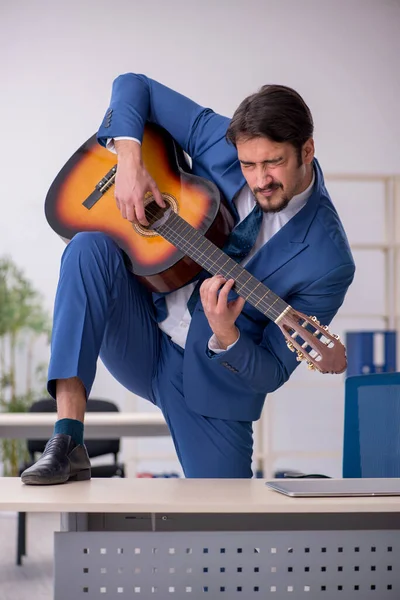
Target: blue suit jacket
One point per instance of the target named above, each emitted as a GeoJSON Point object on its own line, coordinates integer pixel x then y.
{"type": "Point", "coordinates": [308, 262]}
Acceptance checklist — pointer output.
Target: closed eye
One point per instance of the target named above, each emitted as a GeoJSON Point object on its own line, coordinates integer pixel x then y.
{"type": "Point", "coordinates": [266, 163]}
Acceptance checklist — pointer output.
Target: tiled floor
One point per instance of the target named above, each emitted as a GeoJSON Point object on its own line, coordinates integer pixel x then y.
{"type": "Point", "coordinates": [34, 579]}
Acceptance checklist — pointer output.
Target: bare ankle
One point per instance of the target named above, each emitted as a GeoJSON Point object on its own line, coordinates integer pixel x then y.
{"type": "Point", "coordinates": [71, 399]}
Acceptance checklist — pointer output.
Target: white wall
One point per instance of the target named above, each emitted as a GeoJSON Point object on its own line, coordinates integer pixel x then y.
{"type": "Point", "coordinates": [58, 63]}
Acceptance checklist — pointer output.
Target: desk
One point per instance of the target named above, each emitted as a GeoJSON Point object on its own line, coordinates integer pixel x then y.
{"type": "Point", "coordinates": [97, 425]}
{"type": "Point", "coordinates": [212, 539]}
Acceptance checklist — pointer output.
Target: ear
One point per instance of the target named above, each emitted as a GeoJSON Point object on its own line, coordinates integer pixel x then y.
{"type": "Point", "coordinates": [308, 151]}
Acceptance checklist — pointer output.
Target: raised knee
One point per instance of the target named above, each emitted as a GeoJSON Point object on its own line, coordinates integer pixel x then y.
{"type": "Point", "coordinates": [89, 245]}
{"type": "Point", "coordinates": [89, 239]}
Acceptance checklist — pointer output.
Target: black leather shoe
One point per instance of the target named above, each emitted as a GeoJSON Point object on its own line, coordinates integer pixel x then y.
{"type": "Point", "coordinates": [61, 460]}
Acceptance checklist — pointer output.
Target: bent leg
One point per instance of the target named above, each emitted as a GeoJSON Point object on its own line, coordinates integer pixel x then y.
{"type": "Point", "coordinates": [101, 308]}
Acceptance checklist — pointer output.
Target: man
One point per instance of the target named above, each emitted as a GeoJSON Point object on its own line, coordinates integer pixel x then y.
{"type": "Point", "coordinates": [209, 368]}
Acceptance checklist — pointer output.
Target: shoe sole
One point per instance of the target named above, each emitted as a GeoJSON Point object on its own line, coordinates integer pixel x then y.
{"type": "Point", "coordinates": [83, 475]}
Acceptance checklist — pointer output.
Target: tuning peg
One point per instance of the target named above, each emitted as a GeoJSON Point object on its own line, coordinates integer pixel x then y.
{"type": "Point", "coordinates": [337, 337]}
{"type": "Point", "coordinates": [290, 346]}
{"type": "Point", "coordinates": [325, 327]}
{"type": "Point", "coordinates": [300, 356]}
{"type": "Point", "coordinates": [310, 366]}
{"type": "Point", "coordinates": [315, 320]}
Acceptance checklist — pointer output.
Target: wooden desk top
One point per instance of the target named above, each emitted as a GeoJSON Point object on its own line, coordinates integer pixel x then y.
{"type": "Point", "coordinates": [176, 496]}
{"type": "Point", "coordinates": [98, 425]}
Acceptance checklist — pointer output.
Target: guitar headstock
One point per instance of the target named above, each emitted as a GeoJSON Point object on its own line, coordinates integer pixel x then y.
{"type": "Point", "coordinates": [313, 342]}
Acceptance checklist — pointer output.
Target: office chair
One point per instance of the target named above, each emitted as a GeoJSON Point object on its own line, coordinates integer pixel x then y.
{"type": "Point", "coordinates": [94, 447]}
{"type": "Point", "coordinates": [371, 445]}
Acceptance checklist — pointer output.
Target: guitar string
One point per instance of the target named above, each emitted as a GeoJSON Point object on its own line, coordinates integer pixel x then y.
{"type": "Point", "coordinates": [200, 254]}
{"type": "Point", "coordinates": [303, 347]}
{"type": "Point", "coordinates": [249, 291]}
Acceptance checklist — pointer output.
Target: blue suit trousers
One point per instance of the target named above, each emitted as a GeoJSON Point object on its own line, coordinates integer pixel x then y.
{"type": "Point", "coordinates": [101, 309]}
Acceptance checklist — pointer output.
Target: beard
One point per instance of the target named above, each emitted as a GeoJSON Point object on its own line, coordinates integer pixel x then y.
{"type": "Point", "coordinates": [271, 204]}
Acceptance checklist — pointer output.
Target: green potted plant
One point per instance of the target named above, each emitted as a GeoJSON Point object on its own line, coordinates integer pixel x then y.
{"type": "Point", "coordinates": [23, 323]}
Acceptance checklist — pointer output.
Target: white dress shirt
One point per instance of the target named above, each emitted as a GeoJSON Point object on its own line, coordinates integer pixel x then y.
{"type": "Point", "coordinates": [176, 325]}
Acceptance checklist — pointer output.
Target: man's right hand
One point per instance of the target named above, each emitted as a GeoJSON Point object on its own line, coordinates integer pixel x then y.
{"type": "Point", "coordinates": [132, 182]}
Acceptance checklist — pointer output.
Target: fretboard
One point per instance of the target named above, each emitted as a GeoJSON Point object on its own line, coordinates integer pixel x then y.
{"type": "Point", "coordinates": [193, 243]}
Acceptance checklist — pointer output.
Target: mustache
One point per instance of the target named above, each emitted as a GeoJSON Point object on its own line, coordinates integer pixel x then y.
{"type": "Point", "coordinates": [268, 188]}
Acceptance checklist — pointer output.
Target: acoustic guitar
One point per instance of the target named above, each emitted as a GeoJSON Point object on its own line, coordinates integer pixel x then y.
{"type": "Point", "coordinates": [180, 240]}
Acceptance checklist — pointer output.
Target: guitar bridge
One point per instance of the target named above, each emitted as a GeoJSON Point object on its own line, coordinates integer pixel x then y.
{"type": "Point", "coordinates": [101, 188]}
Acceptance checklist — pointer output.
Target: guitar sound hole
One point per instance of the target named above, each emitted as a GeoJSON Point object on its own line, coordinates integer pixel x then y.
{"type": "Point", "coordinates": [154, 213]}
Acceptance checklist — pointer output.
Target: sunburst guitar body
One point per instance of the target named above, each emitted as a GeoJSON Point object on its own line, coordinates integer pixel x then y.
{"type": "Point", "coordinates": [81, 198]}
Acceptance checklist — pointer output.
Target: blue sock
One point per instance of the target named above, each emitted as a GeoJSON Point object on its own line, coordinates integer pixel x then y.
{"type": "Point", "coordinates": [70, 427]}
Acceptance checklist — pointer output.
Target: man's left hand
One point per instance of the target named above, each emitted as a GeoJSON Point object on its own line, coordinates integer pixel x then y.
{"type": "Point", "coordinates": [220, 313]}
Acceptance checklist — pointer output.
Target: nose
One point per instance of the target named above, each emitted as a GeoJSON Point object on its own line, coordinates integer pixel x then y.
{"type": "Point", "coordinates": [263, 177]}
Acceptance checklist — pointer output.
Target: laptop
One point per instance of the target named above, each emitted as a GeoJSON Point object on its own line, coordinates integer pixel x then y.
{"type": "Point", "coordinates": [330, 488]}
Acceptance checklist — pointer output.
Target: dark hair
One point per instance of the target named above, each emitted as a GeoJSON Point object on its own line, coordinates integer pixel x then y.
{"type": "Point", "coordinates": [276, 112]}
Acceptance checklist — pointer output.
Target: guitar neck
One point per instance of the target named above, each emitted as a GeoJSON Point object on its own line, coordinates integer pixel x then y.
{"type": "Point", "coordinates": [193, 243]}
